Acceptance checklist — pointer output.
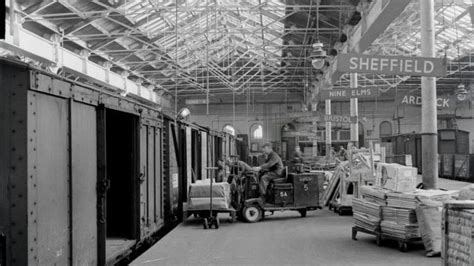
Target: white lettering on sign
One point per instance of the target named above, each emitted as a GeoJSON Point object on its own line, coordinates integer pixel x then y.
{"type": "Point", "coordinates": [420, 66]}
{"type": "Point", "coordinates": [341, 94]}
{"type": "Point", "coordinates": [416, 100]}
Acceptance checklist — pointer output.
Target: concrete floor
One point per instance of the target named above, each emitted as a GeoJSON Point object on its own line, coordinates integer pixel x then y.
{"type": "Point", "coordinates": [322, 238]}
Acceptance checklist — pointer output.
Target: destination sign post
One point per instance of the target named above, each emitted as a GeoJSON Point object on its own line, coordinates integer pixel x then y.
{"type": "Point", "coordinates": [392, 65]}
{"type": "Point", "coordinates": [346, 94]}
{"type": "Point", "coordinates": [339, 119]}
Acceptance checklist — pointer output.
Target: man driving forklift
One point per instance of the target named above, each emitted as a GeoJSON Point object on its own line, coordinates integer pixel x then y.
{"type": "Point", "coordinates": [271, 169]}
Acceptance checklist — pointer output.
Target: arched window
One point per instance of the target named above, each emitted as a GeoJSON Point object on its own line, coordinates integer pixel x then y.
{"type": "Point", "coordinates": [385, 129]}
{"type": "Point", "coordinates": [257, 131]}
{"type": "Point", "coordinates": [229, 129]}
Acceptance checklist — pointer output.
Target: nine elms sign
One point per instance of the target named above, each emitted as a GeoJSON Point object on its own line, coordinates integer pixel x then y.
{"type": "Point", "coordinates": [392, 65]}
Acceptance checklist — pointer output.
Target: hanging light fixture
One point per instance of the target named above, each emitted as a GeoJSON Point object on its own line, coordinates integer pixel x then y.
{"type": "Point", "coordinates": [318, 55]}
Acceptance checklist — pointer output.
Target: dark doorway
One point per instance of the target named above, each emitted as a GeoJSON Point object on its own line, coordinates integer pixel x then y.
{"type": "Point", "coordinates": [121, 161]}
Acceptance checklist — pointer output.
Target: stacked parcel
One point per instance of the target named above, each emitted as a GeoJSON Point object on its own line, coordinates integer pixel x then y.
{"type": "Point", "coordinates": [399, 217]}
{"type": "Point", "coordinates": [367, 210]}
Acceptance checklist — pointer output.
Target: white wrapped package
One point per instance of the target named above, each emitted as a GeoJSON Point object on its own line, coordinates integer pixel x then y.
{"type": "Point", "coordinates": [199, 196]}
{"type": "Point", "coordinates": [396, 177]}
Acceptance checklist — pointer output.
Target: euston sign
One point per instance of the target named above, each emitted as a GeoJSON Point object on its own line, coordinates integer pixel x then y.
{"type": "Point", "coordinates": [339, 119]}
{"type": "Point", "coordinates": [345, 94]}
{"type": "Point", "coordinates": [392, 65]}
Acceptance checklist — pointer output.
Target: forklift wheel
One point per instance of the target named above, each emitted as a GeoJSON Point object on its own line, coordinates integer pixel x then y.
{"type": "Point", "coordinates": [252, 214]}
{"type": "Point", "coordinates": [205, 224]}
{"type": "Point", "coordinates": [302, 212]}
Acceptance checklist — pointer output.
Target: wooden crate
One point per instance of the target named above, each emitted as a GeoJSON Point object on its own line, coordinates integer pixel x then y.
{"type": "Point", "coordinates": [458, 233]}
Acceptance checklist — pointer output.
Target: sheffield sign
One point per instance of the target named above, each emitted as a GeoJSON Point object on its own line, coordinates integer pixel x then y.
{"type": "Point", "coordinates": [339, 119]}
{"type": "Point", "coordinates": [346, 94]}
{"type": "Point", "coordinates": [392, 65]}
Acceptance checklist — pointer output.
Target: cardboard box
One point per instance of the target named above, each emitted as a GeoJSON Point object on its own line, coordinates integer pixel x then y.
{"type": "Point", "coordinates": [396, 177]}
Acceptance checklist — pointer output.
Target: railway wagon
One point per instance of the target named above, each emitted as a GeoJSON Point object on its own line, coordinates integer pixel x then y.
{"type": "Point", "coordinates": [87, 176]}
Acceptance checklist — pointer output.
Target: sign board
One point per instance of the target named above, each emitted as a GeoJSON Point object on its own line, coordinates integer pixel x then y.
{"type": "Point", "coordinates": [195, 101]}
{"type": "Point", "coordinates": [443, 102]}
{"type": "Point", "coordinates": [392, 65]}
{"type": "Point", "coordinates": [346, 94]}
{"type": "Point", "coordinates": [339, 119]}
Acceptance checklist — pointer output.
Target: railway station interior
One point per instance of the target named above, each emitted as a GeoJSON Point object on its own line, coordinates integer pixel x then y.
{"type": "Point", "coordinates": [237, 132]}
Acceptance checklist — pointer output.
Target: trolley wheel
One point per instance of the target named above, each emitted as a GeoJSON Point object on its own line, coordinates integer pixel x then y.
{"type": "Point", "coordinates": [378, 240]}
{"type": "Point", "coordinates": [252, 214]}
{"type": "Point", "coordinates": [196, 215]}
{"type": "Point", "coordinates": [205, 224]}
{"type": "Point", "coordinates": [217, 223]}
{"type": "Point", "coordinates": [302, 212]}
{"type": "Point", "coordinates": [354, 233]}
{"type": "Point", "coordinates": [402, 246]}
{"type": "Point", "coordinates": [233, 217]}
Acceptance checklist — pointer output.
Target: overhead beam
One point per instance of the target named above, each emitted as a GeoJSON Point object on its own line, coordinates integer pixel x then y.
{"type": "Point", "coordinates": [377, 18]}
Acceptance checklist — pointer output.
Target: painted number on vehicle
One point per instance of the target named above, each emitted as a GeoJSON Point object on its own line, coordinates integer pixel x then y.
{"type": "Point", "coordinates": [283, 194]}
{"type": "Point", "coordinates": [306, 187]}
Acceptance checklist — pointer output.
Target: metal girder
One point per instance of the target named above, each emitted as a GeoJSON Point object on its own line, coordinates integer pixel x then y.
{"type": "Point", "coordinates": [377, 17]}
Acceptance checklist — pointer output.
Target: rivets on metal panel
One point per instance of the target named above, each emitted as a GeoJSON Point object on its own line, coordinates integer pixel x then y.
{"type": "Point", "coordinates": [31, 103]}
{"type": "Point", "coordinates": [34, 221]}
{"type": "Point", "coordinates": [34, 185]}
{"type": "Point", "coordinates": [34, 113]}
{"type": "Point", "coordinates": [34, 239]}
{"type": "Point", "coordinates": [34, 130]}
{"type": "Point", "coordinates": [20, 196]}
{"type": "Point", "coordinates": [34, 149]}
{"type": "Point", "coordinates": [13, 149]}
{"type": "Point", "coordinates": [60, 93]}
{"type": "Point", "coordinates": [13, 186]}
{"type": "Point", "coordinates": [34, 203]}
{"type": "Point", "coordinates": [49, 88]}
{"type": "Point", "coordinates": [13, 131]}
{"type": "Point", "coordinates": [13, 205]}
{"type": "Point", "coordinates": [20, 121]}
{"type": "Point", "coordinates": [20, 232]}
{"type": "Point", "coordinates": [20, 158]}
{"type": "Point", "coordinates": [13, 168]}
{"type": "Point", "coordinates": [13, 93]}
{"type": "Point", "coordinates": [14, 113]}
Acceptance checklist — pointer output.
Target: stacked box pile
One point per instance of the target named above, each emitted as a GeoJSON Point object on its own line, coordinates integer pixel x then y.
{"type": "Point", "coordinates": [200, 196]}
{"type": "Point", "coordinates": [374, 194]}
{"type": "Point", "coordinates": [367, 210]}
{"type": "Point", "coordinates": [399, 217]}
{"type": "Point", "coordinates": [458, 240]}
{"type": "Point", "coordinates": [396, 177]}
{"type": "Point", "coordinates": [399, 222]}
{"type": "Point", "coordinates": [367, 215]}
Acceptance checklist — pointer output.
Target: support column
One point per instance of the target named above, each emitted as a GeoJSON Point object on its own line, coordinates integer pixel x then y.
{"type": "Point", "coordinates": [328, 130]}
{"type": "Point", "coordinates": [354, 106]}
{"type": "Point", "coordinates": [429, 138]}
{"type": "Point", "coordinates": [314, 107]}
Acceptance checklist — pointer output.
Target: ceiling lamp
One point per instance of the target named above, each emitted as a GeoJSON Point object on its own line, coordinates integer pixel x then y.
{"type": "Point", "coordinates": [318, 56]}
{"type": "Point", "coordinates": [183, 114]}
{"type": "Point", "coordinates": [461, 92]}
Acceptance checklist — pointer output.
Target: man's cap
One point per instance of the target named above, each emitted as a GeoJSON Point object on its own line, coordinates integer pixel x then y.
{"type": "Point", "coordinates": [268, 144]}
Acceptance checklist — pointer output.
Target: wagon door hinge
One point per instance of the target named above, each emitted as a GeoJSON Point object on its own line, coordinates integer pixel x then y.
{"type": "Point", "coordinates": [102, 188]}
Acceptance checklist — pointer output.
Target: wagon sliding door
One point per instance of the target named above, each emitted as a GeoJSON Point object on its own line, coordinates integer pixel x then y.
{"type": "Point", "coordinates": [62, 160]}
{"type": "Point", "coordinates": [151, 214]}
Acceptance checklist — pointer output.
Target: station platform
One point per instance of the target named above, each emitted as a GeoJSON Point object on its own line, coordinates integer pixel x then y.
{"type": "Point", "coordinates": [321, 238]}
